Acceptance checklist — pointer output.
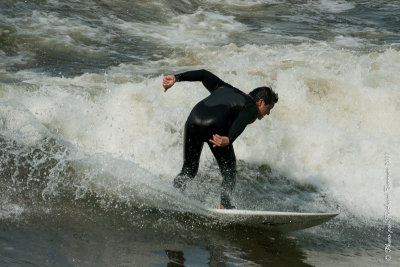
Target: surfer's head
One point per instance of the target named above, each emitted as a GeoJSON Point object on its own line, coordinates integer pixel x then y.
{"type": "Point", "coordinates": [265, 93]}
{"type": "Point", "coordinates": [265, 99]}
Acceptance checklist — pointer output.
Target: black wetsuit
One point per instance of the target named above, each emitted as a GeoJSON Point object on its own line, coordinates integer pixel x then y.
{"type": "Point", "coordinates": [226, 112]}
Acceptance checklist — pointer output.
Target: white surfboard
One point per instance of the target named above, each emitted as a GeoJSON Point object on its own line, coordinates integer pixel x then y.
{"type": "Point", "coordinates": [273, 220]}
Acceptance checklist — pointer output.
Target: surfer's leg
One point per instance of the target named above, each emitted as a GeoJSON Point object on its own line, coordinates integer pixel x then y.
{"type": "Point", "coordinates": [226, 159]}
{"type": "Point", "coordinates": [191, 156]}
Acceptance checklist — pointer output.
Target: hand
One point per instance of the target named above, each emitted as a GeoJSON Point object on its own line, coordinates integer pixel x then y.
{"type": "Point", "coordinates": [168, 82]}
{"type": "Point", "coordinates": [220, 141]}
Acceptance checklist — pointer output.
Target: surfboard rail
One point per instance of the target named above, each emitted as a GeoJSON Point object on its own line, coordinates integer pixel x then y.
{"type": "Point", "coordinates": [273, 220]}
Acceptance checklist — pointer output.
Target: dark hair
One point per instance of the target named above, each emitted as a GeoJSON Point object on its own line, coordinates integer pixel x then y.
{"type": "Point", "coordinates": [265, 93]}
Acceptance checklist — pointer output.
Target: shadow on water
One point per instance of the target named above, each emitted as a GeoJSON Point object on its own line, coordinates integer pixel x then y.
{"type": "Point", "coordinates": [75, 237]}
{"type": "Point", "coordinates": [245, 246]}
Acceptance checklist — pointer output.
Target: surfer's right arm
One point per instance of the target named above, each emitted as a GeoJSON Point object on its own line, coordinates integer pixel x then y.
{"type": "Point", "coordinates": [209, 80]}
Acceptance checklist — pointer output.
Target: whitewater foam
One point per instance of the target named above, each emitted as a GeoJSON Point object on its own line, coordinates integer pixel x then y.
{"type": "Point", "coordinates": [199, 28]}
{"type": "Point", "coordinates": [335, 6]}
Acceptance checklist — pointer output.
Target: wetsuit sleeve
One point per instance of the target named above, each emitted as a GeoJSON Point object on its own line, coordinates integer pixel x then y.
{"type": "Point", "coordinates": [209, 80]}
{"type": "Point", "coordinates": [245, 117]}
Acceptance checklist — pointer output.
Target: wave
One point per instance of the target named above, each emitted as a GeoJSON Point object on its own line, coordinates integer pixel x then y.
{"type": "Point", "coordinates": [326, 140]}
{"type": "Point", "coordinates": [320, 141]}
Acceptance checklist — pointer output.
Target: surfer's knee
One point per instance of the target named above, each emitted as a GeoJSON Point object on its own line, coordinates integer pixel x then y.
{"type": "Point", "coordinates": [189, 169]}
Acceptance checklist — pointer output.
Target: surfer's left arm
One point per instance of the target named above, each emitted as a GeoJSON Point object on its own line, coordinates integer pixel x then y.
{"type": "Point", "coordinates": [247, 116]}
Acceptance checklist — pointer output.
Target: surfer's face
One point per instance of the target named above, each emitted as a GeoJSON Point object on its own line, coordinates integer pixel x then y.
{"type": "Point", "coordinates": [263, 109]}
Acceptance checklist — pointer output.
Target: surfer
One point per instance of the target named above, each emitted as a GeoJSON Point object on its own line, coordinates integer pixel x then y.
{"type": "Point", "coordinates": [218, 120]}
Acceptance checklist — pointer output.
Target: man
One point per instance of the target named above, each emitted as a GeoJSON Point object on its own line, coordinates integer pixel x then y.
{"type": "Point", "coordinates": [218, 120]}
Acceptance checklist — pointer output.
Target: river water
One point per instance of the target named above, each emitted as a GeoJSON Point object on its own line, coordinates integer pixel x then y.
{"type": "Point", "coordinates": [90, 143]}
